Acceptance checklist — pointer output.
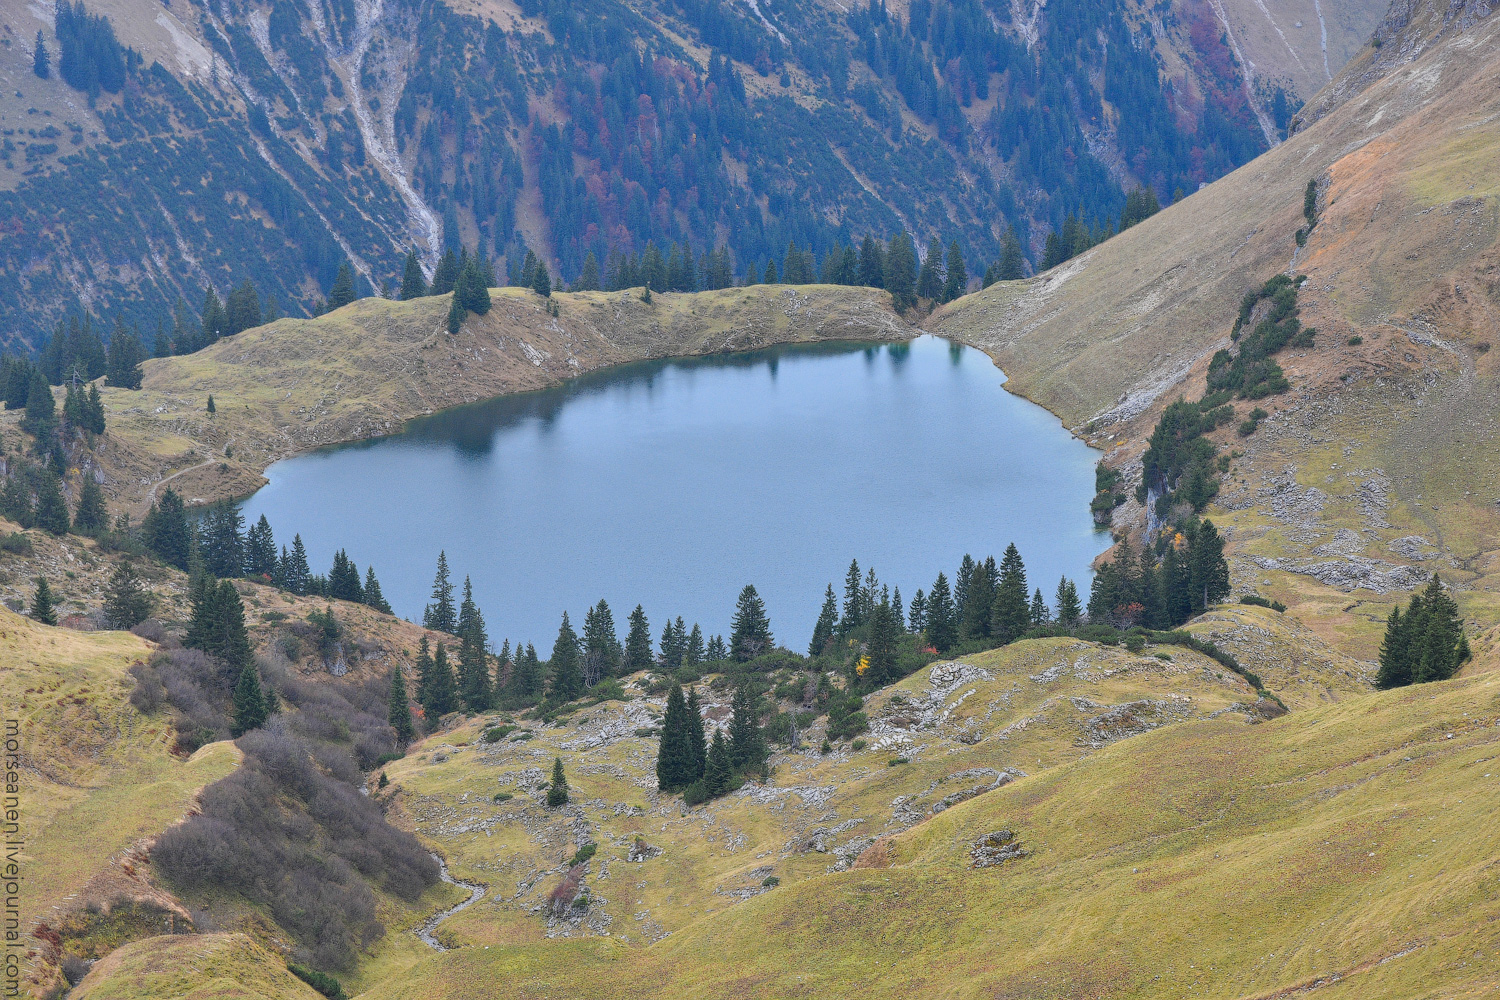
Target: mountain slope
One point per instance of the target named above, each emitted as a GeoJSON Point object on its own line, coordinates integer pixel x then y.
{"type": "Point", "coordinates": [1376, 468]}
{"type": "Point", "coordinates": [273, 141]}
{"type": "Point", "coordinates": [1339, 850]}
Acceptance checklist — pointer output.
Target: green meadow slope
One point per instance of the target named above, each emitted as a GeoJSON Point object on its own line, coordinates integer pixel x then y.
{"type": "Point", "coordinates": [1345, 850]}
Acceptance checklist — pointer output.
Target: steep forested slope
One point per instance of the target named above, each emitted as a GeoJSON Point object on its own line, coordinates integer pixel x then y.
{"type": "Point", "coordinates": [170, 148]}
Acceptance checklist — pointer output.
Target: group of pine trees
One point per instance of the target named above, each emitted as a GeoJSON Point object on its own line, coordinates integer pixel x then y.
{"type": "Point", "coordinates": [468, 277]}
{"type": "Point", "coordinates": [1425, 643]}
{"type": "Point", "coordinates": [1163, 586]}
{"type": "Point", "coordinates": [219, 544]}
{"type": "Point", "coordinates": [704, 769]}
{"type": "Point", "coordinates": [988, 603]}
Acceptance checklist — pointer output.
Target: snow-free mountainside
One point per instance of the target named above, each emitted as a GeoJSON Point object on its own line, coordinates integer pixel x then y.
{"type": "Point", "coordinates": [1267, 775]}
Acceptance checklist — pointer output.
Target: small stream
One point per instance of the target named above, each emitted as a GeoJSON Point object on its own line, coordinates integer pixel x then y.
{"type": "Point", "coordinates": [428, 931]}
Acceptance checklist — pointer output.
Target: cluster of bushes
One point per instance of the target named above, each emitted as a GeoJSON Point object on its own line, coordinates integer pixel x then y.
{"type": "Point", "coordinates": [290, 830]}
{"type": "Point", "coordinates": [1251, 373]}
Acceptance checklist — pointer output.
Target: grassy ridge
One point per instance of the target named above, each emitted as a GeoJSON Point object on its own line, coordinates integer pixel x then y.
{"type": "Point", "coordinates": [196, 967]}
{"type": "Point", "coordinates": [1345, 845]}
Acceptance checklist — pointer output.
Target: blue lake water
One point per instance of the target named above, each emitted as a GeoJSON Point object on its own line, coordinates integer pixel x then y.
{"type": "Point", "coordinates": [673, 484]}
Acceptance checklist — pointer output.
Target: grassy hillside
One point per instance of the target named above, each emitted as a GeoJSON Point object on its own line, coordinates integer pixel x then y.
{"type": "Point", "coordinates": [1341, 848]}
{"type": "Point", "coordinates": [100, 777]}
{"type": "Point", "coordinates": [360, 371]}
{"type": "Point", "coordinates": [1377, 468]}
{"type": "Point", "coordinates": [196, 967]}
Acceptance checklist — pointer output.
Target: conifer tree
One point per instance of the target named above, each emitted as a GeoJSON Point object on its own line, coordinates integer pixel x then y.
{"type": "Point", "coordinates": [696, 736]}
{"type": "Point", "coordinates": [260, 550]}
{"type": "Point", "coordinates": [474, 684]}
{"type": "Point", "coordinates": [1435, 656]}
{"type": "Point", "coordinates": [961, 587]}
{"type": "Point", "coordinates": [1068, 609]}
{"type": "Point", "coordinates": [853, 600]}
{"type": "Point", "coordinates": [445, 277]}
{"type": "Point", "coordinates": [1039, 613]}
{"type": "Point", "coordinates": [94, 409]}
{"type": "Point", "coordinates": [442, 688]}
{"type": "Point", "coordinates": [399, 712]}
{"type": "Point", "coordinates": [942, 632]}
{"type": "Point", "coordinates": [901, 270]}
{"type": "Point", "coordinates": [898, 610]}
{"type": "Point", "coordinates": [41, 408]}
{"type": "Point", "coordinates": [541, 280]}
{"type": "Point", "coordinates": [718, 771]}
{"type": "Point", "coordinates": [566, 682]}
{"type": "Point", "coordinates": [43, 604]}
{"type": "Point", "coordinates": [210, 407]}
{"type": "Point", "coordinates": [770, 275]}
{"type": "Point", "coordinates": [557, 791]}
{"type": "Point", "coordinates": [828, 620]}
{"type": "Point", "coordinates": [440, 615]}
{"type": "Point", "coordinates": [1208, 570]}
{"type": "Point", "coordinates": [89, 518]}
{"type": "Point", "coordinates": [871, 263]}
{"type": "Point", "coordinates": [127, 602]}
{"type": "Point", "coordinates": [373, 598]}
{"type": "Point", "coordinates": [297, 573]}
{"type": "Point", "coordinates": [215, 321]}
{"type": "Point", "coordinates": [881, 648]}
{"type": "Point", "coordinates": [601, 647]}
{"type": "Point", "coordinates": [695, 650]}
{"type": "Point", "coordinates": [342, 293]}
{"type": "Point", "coordinates": [51, 513]}
{"type": "Point", "coordinates": [425, 674]}
{"type": "Point", "coordinates": [41, 61]}
{"type": "Point", "coordinates": [456, 314]}
{"type": "Point", "coordinates": [956, 282]}
{"type": "Point", "coordinates": [1395, 664]}
{"type": "Point", "coordinates": [123, 364]}
{"type": "Point", "coordinates": [413, 283]}
{"type": "Point", "coordinates": [1011, 616]}
{"type": "Point", "coordinates": [588, 279]}
{"type": "Point", "coordinates": [979, 602]}
{"type": "Point", "coordinates": [242, 312]}
{"type": "Point", "coordinates": [718, 650]}
{"type": "Point", "coordinates": [250, 709]}
{"type": "Point", "coordinates": [166, 530]}
{"type": "Point", "coordinates": [638, 642]}
{"type": "Point", "coordinates": [747, 742]}
{"type": "Point", "coordinates": [752, 629]}
{"type": "Point", "coordinates": [676, 766]}
{"type": "Point", "coordinates": [343, 579]}
{"type": "Point", "coordinates": [917, 614]}
{"type": "Point", "coordinates": [930, 277]}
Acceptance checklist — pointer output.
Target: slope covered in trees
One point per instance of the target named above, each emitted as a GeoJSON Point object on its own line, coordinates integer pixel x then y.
{"type": "Point", "coordinates": [584, 128]}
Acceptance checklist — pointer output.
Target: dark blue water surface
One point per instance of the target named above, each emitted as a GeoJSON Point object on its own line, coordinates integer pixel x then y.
{"type": "Point", "coordinates": [673, 484]}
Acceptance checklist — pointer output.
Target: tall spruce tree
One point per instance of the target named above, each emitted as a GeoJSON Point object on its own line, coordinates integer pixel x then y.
{"type": "Point", "coordinates": [51, 512]}
{"type": "Point", "coordinates": [601, 646]}
{"type": "Point", "coordinates": [747, 742]}
{"type": "Point", "coordinates": [697, 738]}
{"type": "Point", "coordinates": [751, 636]}
{"type": "Point", "coordinates": [445, 277]}
{"type": "Point", "coordinates": [853, 600]}
{"type": "Point", "coordinates": [901, 270]}
{"type": "Point", "coordinates": [440, 615]}
{"type": "Point", "coordinates": [638, 642]}
{"type": "Point", "coordinates": [557, 791]}
{"type": "Point", "coordinates": [373, 598]}
{"type": "Point", "coordinates": [413, 282]}
{"type": "Point", "coordinates": [979, 601]}
{"type": "Point", "coordinates": [342, 293]}
{"type": "Point", "coordinates": [1435, 654]}
{"type": "Point", "coordinates": [566, 682]}
{"type": "Point", "coordinates": [1040, 615]}
{"type": "Point", "coordinates": [1011, 615]}
{"type": "Point", "coordinates": [828, 620]}
{"type": "Point", "coordinates": [942, 632]}
{"type": "Point", "coordinates": [917, 613]}
{"type": "Point", "coordinates": [43, 604]}
{"type": "Point", "coordinates": [695, 650]}
{"type": "Point", "coordinates": [718, 771]}
{"type": "Point", "coordinates": [127, 602]}
{"type": "Point", "coordinates": [675, 764]}
{"type": "Point", "coordinates": [343, 579]}
{"type": "Point", "coordinates": [881, 647]}
{"type": "Point", "coordinates": [956, 280]}
{"type": "Point", "coordinates": [441, 688]}
{"type": "Point", "coordinates": [260, 551]}
{"type": "Point", "coordinates": [296, 573]}
{"type": "Point", "coordinates": [166, 530]}
{"type": "Point", "coordinates": [250, 710]}
{"type": "Point", "coordinates": [1395, 661]}
{"type": "Point", "coordinates": [398, 713]}
{"type": "Point", "coordinates": [475, 688]}
{"type": "Point", "coordinates": [930, 277]}
{"type": "Point", "coordinates": [89, 518]}
{"type": "Point", "coordinates": [41, 62]}
{"type": "Point", "coordinates": [1208, 570]}
{"type": "Point", "coordinates": [1068, 609]}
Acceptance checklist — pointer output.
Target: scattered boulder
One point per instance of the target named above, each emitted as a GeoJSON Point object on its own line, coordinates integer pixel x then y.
{"type": "Point", "coordinates": [642, 851]}
{"type": "Point", "coordinates": [996, 848]}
